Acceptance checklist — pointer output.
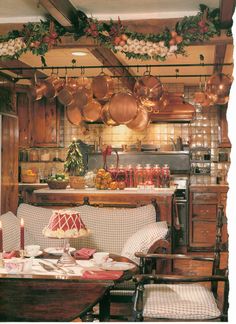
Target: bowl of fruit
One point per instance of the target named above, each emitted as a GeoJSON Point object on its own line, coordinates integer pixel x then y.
{"type": "Point", "coordinates": [28, 176]}
{"type": "Point", "coordinates": [58, 181]}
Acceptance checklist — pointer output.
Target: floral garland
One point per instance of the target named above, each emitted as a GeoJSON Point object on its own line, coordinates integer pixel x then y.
{"type": "Point", "coordinates": [40, 37]}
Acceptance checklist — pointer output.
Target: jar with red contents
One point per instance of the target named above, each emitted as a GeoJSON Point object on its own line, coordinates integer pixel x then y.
{"type": "Point", "coordinates": [165, 176]}
{"type": "Point", "coordinates": [129, 176]}
{"type": "Point", "coordinates": [121, 174]}
{"type": "Point", "coordinates": [147, 175]}
{"type": "Point", "coordinates": [156, 176]}
{"type": "Point", "coordinates": [113, 171]}
{"type": "Point", "coordinates": [138, 176]}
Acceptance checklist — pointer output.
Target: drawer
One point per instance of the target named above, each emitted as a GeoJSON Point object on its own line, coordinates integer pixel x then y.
{"type": "Point", "coordinates": [205, 211]}
{"type": "Point", "coordinates": [205, 196]}
{"type": "Point", "coordinates": [203, 233]}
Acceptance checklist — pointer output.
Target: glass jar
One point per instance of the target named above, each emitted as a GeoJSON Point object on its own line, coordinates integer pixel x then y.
{"type": "Point", "coordinates": [129, 176]}
{"type": "Point", "coordinates": [147, 174]}
{"type": "Point", "coordinates": [138, 176]}
{"type": "Point", "coordinates": [33, 155]}
{"type": "Point", "coordinates": [156, 176]}
{"type": "Point", "coordinates": [113, 171]}
{"type": "Point", "coordinates": [165, 176]}
{"type": "Point", "coordinates": [121, 174]}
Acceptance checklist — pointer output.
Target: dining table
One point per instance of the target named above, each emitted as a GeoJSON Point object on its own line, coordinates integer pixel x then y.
{"type": "Point", "coordinates": [60, 295]}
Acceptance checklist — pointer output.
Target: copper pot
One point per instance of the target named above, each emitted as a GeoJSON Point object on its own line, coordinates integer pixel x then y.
{"type": "Point", "coordinates": [66, 95]}
{"type": "Point", "coordinates": [148, 89]}
{"type": "Point", "coordinates": [123, 107]}
{"type": "Point", "coordinates": [54, 86]}
{"type": "Point", "coordinates": [83, 82]}
{"type": "Point", "coordinates": [218, 88]}
{"type": "Point", "coordinates": [105, 116]}
{"type": "Point", "coordinates": [141, 121]}
{"type": "Point", "coordinates": [92, 111]}
{"type": "Point", "coordinates": [83, 96]}
{"type": "Point", "coordinates": [102, 86]}
{"type": "Point", "coordinates": [37, 88]}
{"type": "Point", "coordinates": [73, 114]}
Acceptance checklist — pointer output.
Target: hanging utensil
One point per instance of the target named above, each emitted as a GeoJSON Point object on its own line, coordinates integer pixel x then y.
{"type": "Point", "coordinates": [73, 114]}
{"type": "Point", "coordinates": [105, 116]}
{"type": "Point", "coordinates": [92, 111]}
{"type": "Point", "coordinates": [102, 86]}
{"type": "Point", "coordinates": [123, 107]}
{"type": "Point", "coordinates": [37, 88]}
{"type": "Point", "coordinates": [141, 121]}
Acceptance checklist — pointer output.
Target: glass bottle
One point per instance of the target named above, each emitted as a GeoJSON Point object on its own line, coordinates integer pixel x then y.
{"type": "Point", "coordinates": [121, 174]}
{"type": "Point", "coordinates": [113, 171]}
{"type": "Point", "coordinates": [156, 176]}
{"type": "Point", "coordinates": [165, 176]}
{"type": "Point", "coordinates": [138, 176]}
{"type": "Point", "coordinates": [129, 176]}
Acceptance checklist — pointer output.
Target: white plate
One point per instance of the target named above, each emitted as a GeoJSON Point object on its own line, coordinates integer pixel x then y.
{"type": "Point", "coordinates": [117, 266]}
{"type": "Point", "coordinates": [29, 256]}
{"type": "Point", "coordinates": [57, 251]}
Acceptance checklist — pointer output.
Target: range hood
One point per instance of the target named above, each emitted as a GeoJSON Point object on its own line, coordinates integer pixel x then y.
{"type": "Point", "coordinates": [176, 111]}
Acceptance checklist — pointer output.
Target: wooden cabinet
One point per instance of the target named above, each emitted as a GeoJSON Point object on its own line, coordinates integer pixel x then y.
{"type": "Point", "coordinates": [39, 121]}
{"type": "Point", "coordinates": [8, 163]}
{"type": "Point", "coordinates": [223, 136]}
{"type": "Point", "coordinates": [204, 201]}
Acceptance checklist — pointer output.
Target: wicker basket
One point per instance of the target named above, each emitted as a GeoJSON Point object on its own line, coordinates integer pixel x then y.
{"type": "Point", "coordinates": [57, 184]}
{"type": "Point", "coordinates": [77, 182]}
{"type": "Point", "coordinates": [25, 178]}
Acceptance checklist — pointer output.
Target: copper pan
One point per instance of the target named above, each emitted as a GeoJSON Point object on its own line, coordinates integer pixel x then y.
{"type": "Point", "coordinates": [141, 121]}
{"type": "Point", "coordinates": [148, 89]}
{"type": "Point", "coordinates": [66, 95]}
{"type": "Point", "coordinates": [92, 111]}
{"type": "Point", "coordinates": [37, 88]}
{"type": "Point", "coordinates": [83, 96]}
{"type": "Point", "coordinates": [73, 114]}
{"type": "Point", "coordinates": [83, 82]}
{"type": "Point", "coordinates": [102, 87]}
{"type": "Point", "coordinates": [123, 107]}
{"type": "Point", "coordinates": [105, 116]}
{"type": "Point", "coordinates": [54, 86]}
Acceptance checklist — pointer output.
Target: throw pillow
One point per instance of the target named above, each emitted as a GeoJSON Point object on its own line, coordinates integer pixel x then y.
{"type": "Point", "coordinates": [143, 239]}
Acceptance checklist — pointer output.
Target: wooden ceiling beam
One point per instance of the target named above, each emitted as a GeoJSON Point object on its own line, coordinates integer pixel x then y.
{"type": "Point", "coordinates": [61, 10]}
{"type": "Point", "coordinates": [227, 8]}
{"type": "Point", "coordinates": [21, 72]}
{"type": "Point", "coordinates": [106, 57]}
{"type": "Point", "coordinates": [220, 51]}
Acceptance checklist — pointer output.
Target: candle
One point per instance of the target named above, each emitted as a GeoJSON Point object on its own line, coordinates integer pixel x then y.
{"type": "Point", "coordinates": [22, 234]}
{"type": "Point", "coordinates": [1, 239]}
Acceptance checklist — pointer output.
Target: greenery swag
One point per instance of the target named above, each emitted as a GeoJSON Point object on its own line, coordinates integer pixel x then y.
{"type": "Point", "coordinates": [40, 37]}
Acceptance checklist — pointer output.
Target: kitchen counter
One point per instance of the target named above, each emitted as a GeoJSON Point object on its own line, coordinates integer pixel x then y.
{"type": "Point", "coordinates": [131, 197]}
{"type": "Point", "coordinates": [211, 185]}
{"type": "Point", "coordinates": [36, 184]}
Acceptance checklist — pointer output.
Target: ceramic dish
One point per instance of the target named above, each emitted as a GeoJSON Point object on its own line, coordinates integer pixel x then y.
{"type": "Point", "coordinates": [117, 266]}
{"type": "Point", "coordinates": [38, 254]}
{"type": "Point", "coordinates": [57, 250]}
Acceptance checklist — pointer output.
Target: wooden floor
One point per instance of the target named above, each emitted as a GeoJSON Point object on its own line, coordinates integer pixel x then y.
{"type": "Point", "coordinates": [123, 311]}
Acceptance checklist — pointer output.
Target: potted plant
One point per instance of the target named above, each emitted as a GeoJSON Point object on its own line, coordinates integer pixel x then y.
{"type": "Point", "coordinates": [75, 164]}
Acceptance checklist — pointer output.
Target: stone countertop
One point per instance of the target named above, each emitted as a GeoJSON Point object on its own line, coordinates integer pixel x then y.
{"type": "Point", "coordinates": [197, 185]}
{"type": "Point", "coordinates": [130, 191]}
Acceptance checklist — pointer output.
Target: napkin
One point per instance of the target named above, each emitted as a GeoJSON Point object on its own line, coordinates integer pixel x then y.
{"type": "Point", "coordinates": [84, 253]}
{"type": "Point", "coordinates": [103, 275]}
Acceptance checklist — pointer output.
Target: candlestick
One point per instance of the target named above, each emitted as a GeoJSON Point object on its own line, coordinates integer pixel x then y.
{"type": "Point", "coordinates": [22, 234]}
{"type": "Point", "coordinates": [1, 239]}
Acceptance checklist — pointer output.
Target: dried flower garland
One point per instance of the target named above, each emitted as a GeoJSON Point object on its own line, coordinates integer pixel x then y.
{"type": "Point", "coordinates": [40, 37]}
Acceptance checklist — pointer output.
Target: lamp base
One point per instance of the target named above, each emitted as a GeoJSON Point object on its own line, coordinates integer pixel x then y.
{"type": "Point", "coordinates": [66, 259]}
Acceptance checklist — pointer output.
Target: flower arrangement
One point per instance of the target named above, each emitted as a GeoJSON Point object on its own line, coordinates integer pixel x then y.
{"type": "Point", "coordinates": [40, 37]}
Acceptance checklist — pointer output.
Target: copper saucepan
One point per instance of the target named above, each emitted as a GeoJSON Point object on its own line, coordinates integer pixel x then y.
{"type": "Point", "coordinates": [102, 87]}
{"type": "Point", "coordinates": [141, 121]}
{"type": "Point", "coordinates": [83, 96]}
{"type": "Point", "coordinates": [123, 107]}
{"type": "Point", "coordinates": [105, 116]}
{"type": "Point", "coordinates": [148, 89]}
{"type": "Point", "coordinates": [73, 114]}
{"type": "Point", "coordinates": [66, 95]}
{"type": "Point", "coordinates": [54, 86]}
{"type": "Point", "coordinates": [92, 111]}
{"type": "Point", "coordinates": [37, 88]}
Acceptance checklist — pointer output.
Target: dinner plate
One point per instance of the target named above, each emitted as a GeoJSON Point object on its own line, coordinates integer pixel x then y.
{"type": "Point", "coordinates": [117, 266]}
{"type": "Point", "coordinates": [29, 256]}
{"type": "Point", "coordinates": [57, 250]}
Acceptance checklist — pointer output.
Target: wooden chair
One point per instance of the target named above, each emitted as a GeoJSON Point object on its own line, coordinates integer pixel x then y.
{"type": "Point", "coordinates": [179, 297]}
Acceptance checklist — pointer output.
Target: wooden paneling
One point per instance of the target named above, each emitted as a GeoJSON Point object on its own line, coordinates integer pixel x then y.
{"type": "Point", "coordinates": [23, 111]}
{"type": "Point", "coordinates": [45, 123]}
{"type": "Point", "coordinates": [9, 164]}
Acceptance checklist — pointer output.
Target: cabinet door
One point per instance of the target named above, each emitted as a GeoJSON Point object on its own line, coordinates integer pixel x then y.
{"type": "Point", "coordinates": [9, 163]}
{"type": "Point", "coordinates": [24, 111]}
{"type": "Point", "coordinates": [45, 123]}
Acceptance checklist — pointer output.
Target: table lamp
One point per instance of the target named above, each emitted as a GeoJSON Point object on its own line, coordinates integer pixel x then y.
{"type": "Point", "coordinates": [65, 224]}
